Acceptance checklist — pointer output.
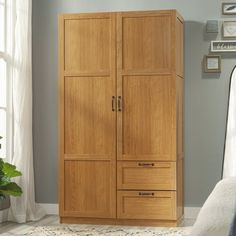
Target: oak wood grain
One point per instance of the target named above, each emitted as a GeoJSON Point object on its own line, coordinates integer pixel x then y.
{"type": "Point", "coordinates": [137, 58]}
{"type": "Point", "coordinates": [146, 175]}
{"type": "Point", "coordinates": [139, 205]}
{"type": "Point", "coordinates": [87, 122]}
{"type": "Point", "coordinates": [88, 44]}
{"type": "Point", "coordinates": [146, 41]}
{"type": "Point", "coordinates": [179, 48]}
{"type": "Point", "coordinates": [147, 122]}
{"type": "Point", "coordinates": [89, 188]}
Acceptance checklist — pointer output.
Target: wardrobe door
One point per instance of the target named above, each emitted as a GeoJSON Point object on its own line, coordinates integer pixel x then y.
{"type": "Point", "coordinates": [146, 88]}
{"type": "Point", "coordinates": [88, 119]}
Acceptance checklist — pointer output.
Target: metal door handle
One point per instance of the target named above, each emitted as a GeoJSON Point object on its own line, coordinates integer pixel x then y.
{"type": "Point", "coordinates": [113, 103]}
{"type": "Point", "coordinates": [119, 103]}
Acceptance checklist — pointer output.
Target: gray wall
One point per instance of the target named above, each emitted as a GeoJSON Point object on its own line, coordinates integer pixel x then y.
{"type": "Point", "coordinates": [205, 95]}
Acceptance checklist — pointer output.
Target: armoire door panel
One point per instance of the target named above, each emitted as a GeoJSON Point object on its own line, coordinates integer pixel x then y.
{"type": "Point", "coordinates": [146, 175]}
{"type": "Point", "coordinates": [88, 43]}
{"type": "Point", "coordinates": [90, 189]}
{"type": "Point", "coordinates": [90, 123]}
{"type": "Point", "coordinates": [147, 118]}
{"type": "Point", "coordinates": [146, 42]}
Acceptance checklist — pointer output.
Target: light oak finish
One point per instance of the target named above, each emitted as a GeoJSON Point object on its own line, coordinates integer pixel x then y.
{"type": "Point", "coordinates": [90, 50]}
{"type": "Point", "coordinates": [90, 189]}
{"type": "Point", "coordinates": [179, 47]}
{"type": "Point", "coordinates": [180, 116]}
{"type": "Point", "coordinates": [87, 122]}
{"type": "Point", "coordinates": [121, 118]}
{"type": "Point", "coordinates": [146, 175]}
{"type": "Point", "coordinates": [180, 188]}
{"type": "Point", "coordinates": [180, 144]}
{"type": "Point", "coordinates": [142, 37]}
{"type": "Point", "coordinates": [159, 205]}
{"type": "Point", "coordinates": [147, 119]}
{"type": "Point", "coordinates": [126, 222]}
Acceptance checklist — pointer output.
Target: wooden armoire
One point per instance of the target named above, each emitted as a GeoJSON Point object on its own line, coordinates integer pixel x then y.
{"type": "Point", "coordinates": [121, 118]}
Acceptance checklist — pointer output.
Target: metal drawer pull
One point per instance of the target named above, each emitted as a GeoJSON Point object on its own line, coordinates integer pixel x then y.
{"type": "Point", "coordinates": [119, 103]}
{"type": "Point", "coordinates": [113, 103]}
{"type": "Point", "coordinates": [146, 164]}
{"type": "Point", "coordinates": [146, 194]}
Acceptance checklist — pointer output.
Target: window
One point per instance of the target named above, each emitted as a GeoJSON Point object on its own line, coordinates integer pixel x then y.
{"type": "Point", "coordinates": [5, 81]}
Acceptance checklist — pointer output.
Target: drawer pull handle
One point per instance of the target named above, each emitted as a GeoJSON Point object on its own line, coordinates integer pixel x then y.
{"type": "Point", "coordinates": [146, 194]}
{"type": "Point", "coordinates": [146, 164]}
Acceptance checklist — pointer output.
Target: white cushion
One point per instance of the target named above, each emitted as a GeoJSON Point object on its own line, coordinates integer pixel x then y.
{"type": "Point", "coordinates": [217, 213]}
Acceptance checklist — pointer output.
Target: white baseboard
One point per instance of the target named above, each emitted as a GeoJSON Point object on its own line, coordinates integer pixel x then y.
{"type": "Point", "coordinates": [53, 209]}
{"type": "Point", "coordinates": [191, 212]}
{"type": "Point", "coordinates": [50, 209]}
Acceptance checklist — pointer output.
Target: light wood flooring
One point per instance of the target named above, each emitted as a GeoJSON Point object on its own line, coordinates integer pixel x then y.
{"type": "Point", "coordinates": [10, 228]}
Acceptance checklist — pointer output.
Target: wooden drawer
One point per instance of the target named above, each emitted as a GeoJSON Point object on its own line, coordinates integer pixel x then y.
{"type": "Point", "coordinates": [146, 175]}
{"type": "Point", "coordinates": [158, 205]}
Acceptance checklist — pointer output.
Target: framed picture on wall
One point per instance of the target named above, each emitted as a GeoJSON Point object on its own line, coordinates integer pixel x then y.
{"type": "Point", "coordinates": [229, 8]}
{"type": "Point", "coordinates": [229, 29]}
{"type": "Point", "coordinates": [212, 64]}
{"type": "Point", "coordinates": [223, 46]}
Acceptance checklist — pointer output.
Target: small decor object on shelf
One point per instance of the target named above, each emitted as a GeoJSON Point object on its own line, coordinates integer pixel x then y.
{"type": "Point", "coordinates": [229, 29]}
{"type": "Point", "coordinates": [229, 8]}
{"type": "Point", "coordinates": [212, 26]}
{"type": "Point", "coordinates": [212, 64]}
{"type": "Point", "coordinates": [223, 46]}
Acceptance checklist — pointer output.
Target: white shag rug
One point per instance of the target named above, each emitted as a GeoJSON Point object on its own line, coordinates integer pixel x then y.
{"type": "Point", "coordinates": [98, 230]}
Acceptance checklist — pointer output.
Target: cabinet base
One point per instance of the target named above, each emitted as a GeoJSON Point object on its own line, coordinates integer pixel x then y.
{"type": "Point", "coordinates": [158, 223]}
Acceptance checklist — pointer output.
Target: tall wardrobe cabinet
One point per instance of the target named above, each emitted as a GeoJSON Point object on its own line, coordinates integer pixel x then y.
{"type": "Point", "coordinates": [121, 118]}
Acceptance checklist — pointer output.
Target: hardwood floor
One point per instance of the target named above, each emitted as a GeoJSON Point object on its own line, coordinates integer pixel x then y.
{"type": "Point", "coordinates": [10, 228]}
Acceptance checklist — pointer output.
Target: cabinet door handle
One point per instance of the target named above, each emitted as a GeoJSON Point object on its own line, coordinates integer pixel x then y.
{"type": "Point", "coordinates": [113, 103]}
{"type": "Point", "coordinates": [146, 164]}
{"type": "Point", "coordinates": [146, 194]}
{"type": "Point", "coordinates": [119, 103]}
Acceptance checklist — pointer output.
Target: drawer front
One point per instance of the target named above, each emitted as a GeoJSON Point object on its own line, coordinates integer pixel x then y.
{"type": "Point", "coordinates": [158, 205]}
{"type": "Point", "coordinates": [146, 175]}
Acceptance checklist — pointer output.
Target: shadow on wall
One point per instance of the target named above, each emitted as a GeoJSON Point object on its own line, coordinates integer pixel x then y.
{"type": "Point", "coordinates": [205, 99]}
{"type": "Point", "coordinates": [197, 43]}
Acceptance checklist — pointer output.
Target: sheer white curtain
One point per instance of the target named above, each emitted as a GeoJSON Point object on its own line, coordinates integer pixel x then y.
{"type": "Point", "coordinates": [229, 168]}
{"type": "Point", "coordinates": [23, 208]}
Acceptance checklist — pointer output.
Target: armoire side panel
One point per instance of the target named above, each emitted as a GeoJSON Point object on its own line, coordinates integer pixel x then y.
{"type": "Point", "coordinates": [180, 114]}
{"type": "Point", "coordinates": [180, 144]}
{"type": "Point", "coordinates": [179, 47]}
